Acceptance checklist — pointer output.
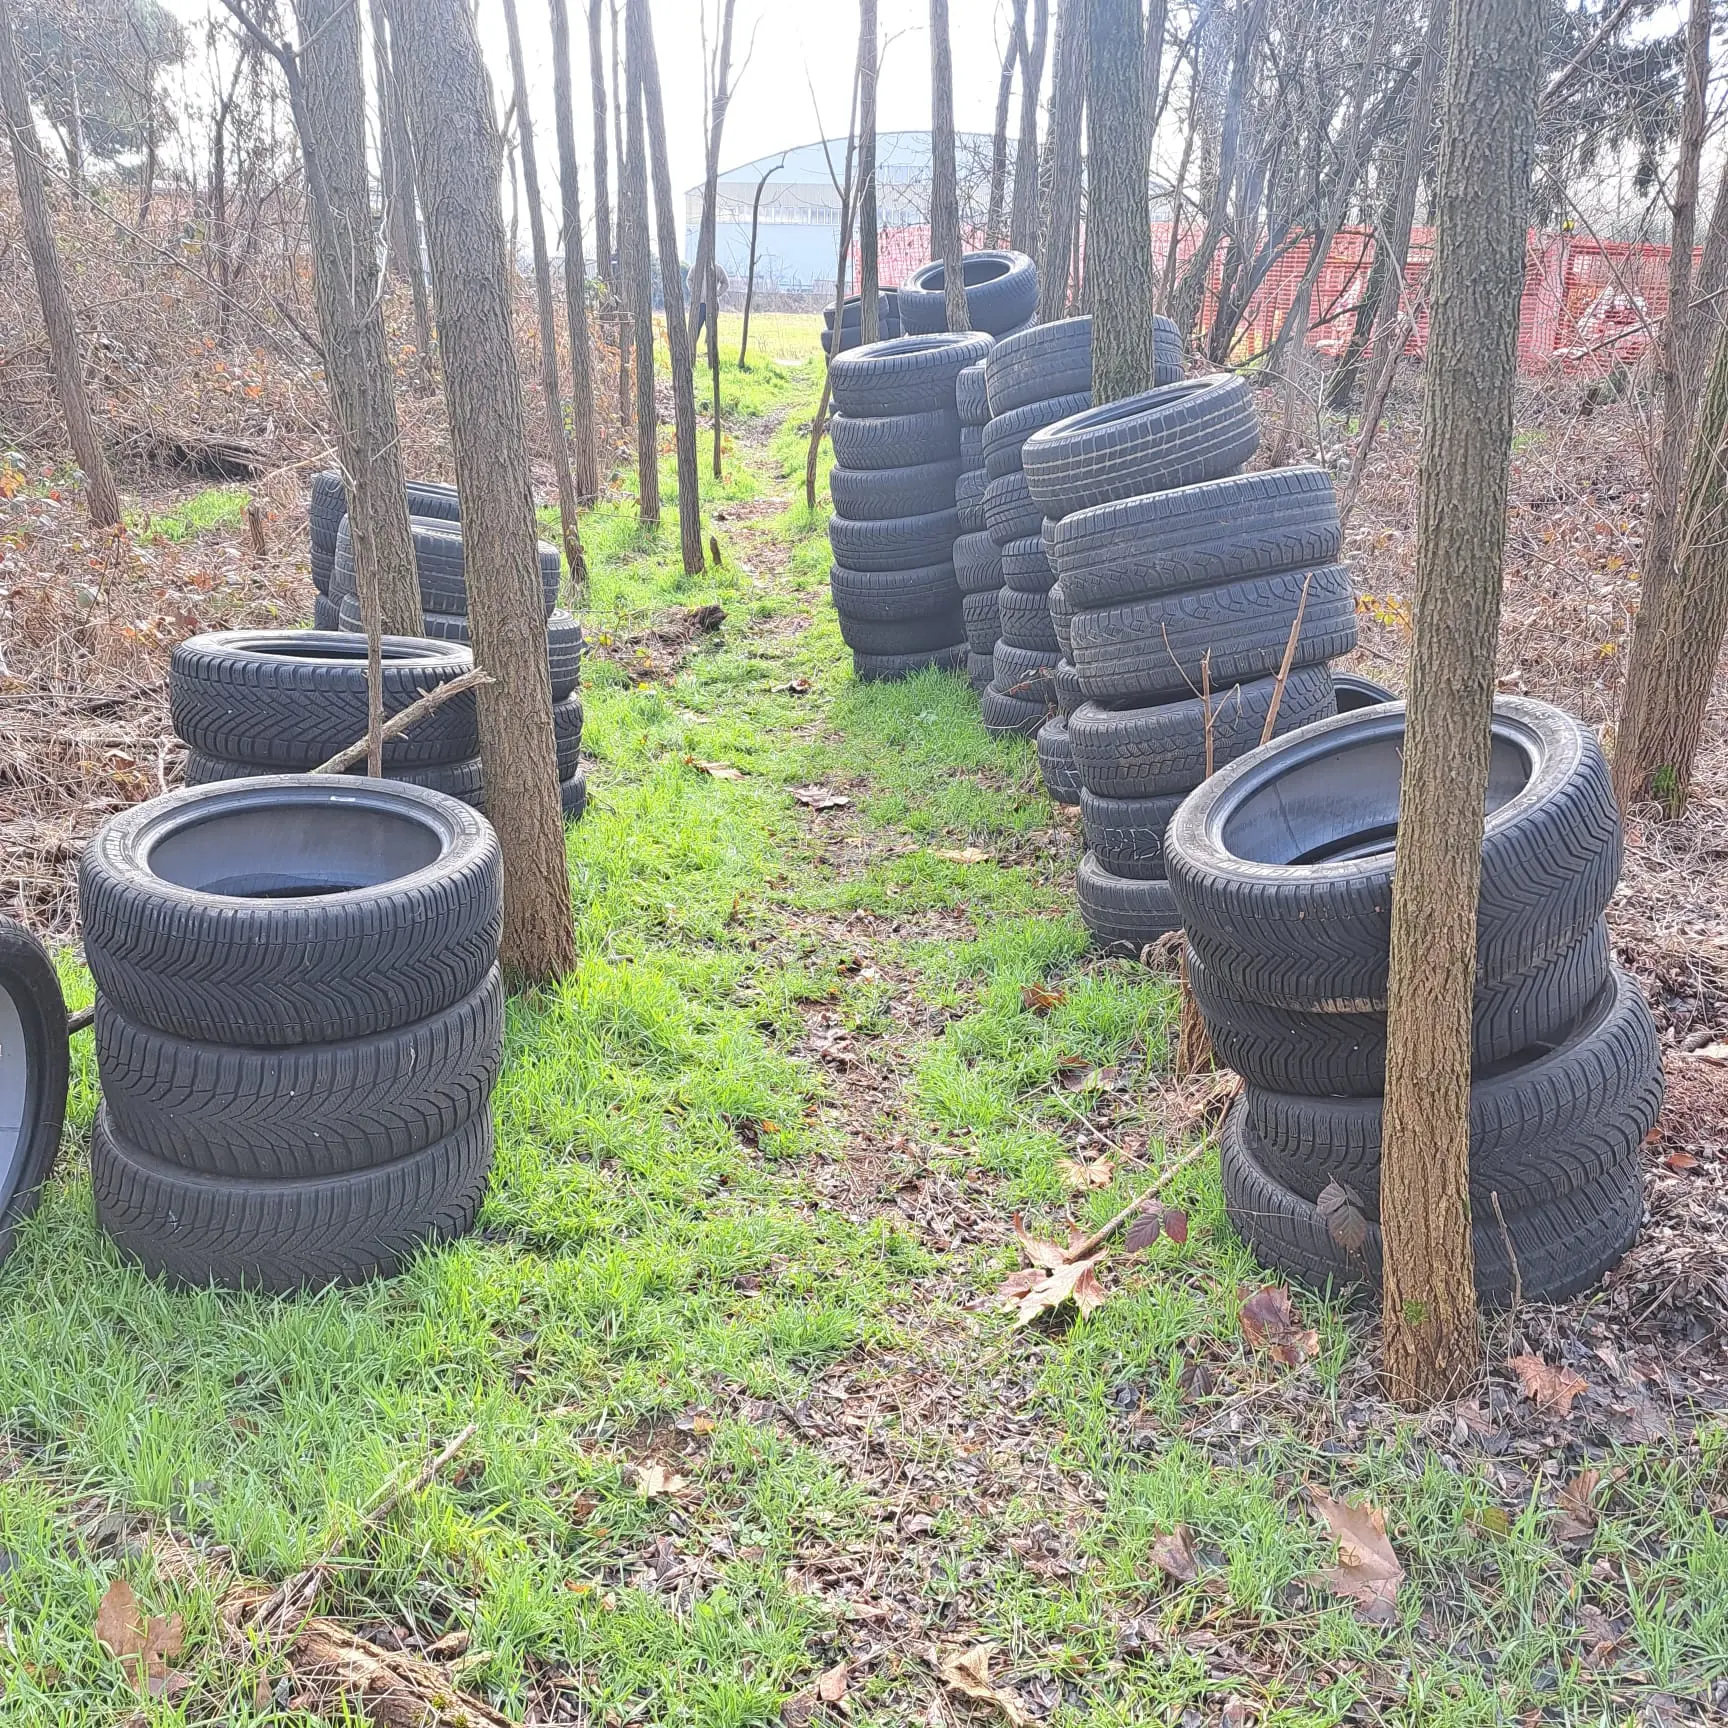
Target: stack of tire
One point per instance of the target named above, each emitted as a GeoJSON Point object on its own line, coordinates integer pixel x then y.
{"type": "Point", "coordinates": [896, 443]}
{"type": "Point", "coordinates": [329, 509]}
{"type": "Point", "coordinates": [851, 327]}
{"type": "Point", "coordinates": [298, 1023]}
{"type": "Point", "coordinates": [977, 559]}
{"type": "Point", "coordinates": [1282, 868]}
{"type": "Point", "coordinates": [1179, 582]}
{"type": "Point", "coordinates": [1001, 295]}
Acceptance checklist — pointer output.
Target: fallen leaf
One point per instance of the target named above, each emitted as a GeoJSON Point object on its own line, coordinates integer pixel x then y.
{"type": "Point", "coordinates": [1547, 1388]}
{"type": "Point", "coordinates": [1099, 1173]}
{"type": "Point", "coordinates": [1601, 1637]}
{"type": "Point", "coordinates": [1269, 1322]}
{"type": "Point", "coordinates": [1575, 1520]}
{"type": "Point", "coordinates": [1018, 1284]}
{"type": "Point", "coordinates": [143, 1648]}
{"type": "Point", "coordinates": [1077, 1280]}
{"type": "Point", "coordinates": [450, 1646]}
{"type": "Point", "coordinates": [969, 1673]}
{"type": "Point", "coordinates": [831, 1687]}
{"type": "Point", "coordinates": [1492, 1521]}
{"type": "Point", "coordinates": [1368, 1572]}
{"type": "Point", "coordinates": [1237, 1713]}
{"type": "Point", "coordinates": [1038, 1251]}
{"type": "Point", "coordinates": [1340, 1208]}
{"type": "Point", "coordinates": [1681, 1161]}
{"type": "Point", "coordinates": [1716, 1053]}
{"type": "Point", "coordinates": [820, 798]}
{"type": "Point", "coordinates": [1144, 1228]}
{"type": "Point", "coordinates": [1036, 999]}
{"type": "Point", "coordinates": [1173, 1555]}
{"type": "Point", "coordinates": [1176, 1224]}
{"type": "Point", "coordinates": [119, 1625]}
{"type": "Point", "coordinates": [961, 854]}
{"type": "Point", "coordinates": [655, 1481]}
{"type": "Point", "coordinates": [719, 770]}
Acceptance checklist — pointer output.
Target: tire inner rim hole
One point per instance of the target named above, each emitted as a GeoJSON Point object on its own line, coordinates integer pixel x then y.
{"type": "Point", "coordinates": [15, 1100]}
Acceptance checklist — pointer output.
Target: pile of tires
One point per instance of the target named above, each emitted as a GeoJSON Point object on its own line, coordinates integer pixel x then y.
{"type": "Point", "coordinates": [1033, 380]}
{"type": "Point", "coordinates": [298, 1023]}
{"type": "Point", "coordinates": [428, 499]}
{"type": "Point", "coordinates": [851, 328]}
{"type": "Point", "coordinates": [1001, 294]}
{"type": "Point", "coordinates": [977, 559]}
{"type": "Point", "coordinates": [1281, 866]}
{"type": "Point", "coordinates": [1179, 580]}
{"type": "Point", "coordinates": [33, 1074]}
{"type": "Point", "coordinates": [896, 439]}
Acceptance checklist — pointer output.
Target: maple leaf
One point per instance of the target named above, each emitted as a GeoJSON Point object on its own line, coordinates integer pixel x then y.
{"type": "Point", "coordinates": [1039, 1252]}
{"type": "Point", "coordinates": [1076, 1279]}
{"type": "Point", "coordinates": [1546, 1387]}
{"type": "Point", "coordinates": [1368, 1572]}
{"type": "Point", "coordinates": [969, 1673]}
{"type": "Point", "coordinates": [1269, 1322]}
{"type": "Point", "coordinates": [142, 1647]}
{"type": "Point", "coordinates": [1340, 1208]}
{"type": "Point", "coordinates": [1018, 1284]}
{"type": "Point", "coordinates": [1173, 1555]}
{"type": "Point", "coordinates": [1576, 1517]}
{"type": "Point", "coordinates": [1037, 999]}
{"type": "Point", "coordinates": [1099, 1173]}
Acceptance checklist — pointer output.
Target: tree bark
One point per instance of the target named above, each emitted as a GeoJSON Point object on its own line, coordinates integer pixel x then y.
{"type": "Point", "coordinates": [719, 101]}
{"type": "Point", "coordinates": [65, 350]}
{"type": "Point", "coordinates": [672, 287]}
{"type": "Point", "coordinates": [1119, 222]}
{"type": "Point", "coordinates": [404, 196]}
{"type": "Point", "coordinates": [583, 416]}
{"type": "Point", "coordinates": [460, 157]}
{"type": "Point", "coordinates": [633, 261]}
{"type": "Point", "coordinates": [602, 189]}
{"type": "Point", "coordinates": [1023, 203]}
{"type": "Point", "coordinates": [999, 132]}
{"type": "Point", "coordinates": [1488, 118]}
{"type": "Point", "coordinates": [869, 266]}
{"type": "Point", "coordinates": [1067, 113]}
{"type": "Point", "coordinates": [945, 242]}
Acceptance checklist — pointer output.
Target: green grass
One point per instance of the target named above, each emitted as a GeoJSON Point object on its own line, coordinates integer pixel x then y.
{"type": "Point", "coordinates": [661, 1265]}
{"type": "Point", "coordinates": [214, 507]}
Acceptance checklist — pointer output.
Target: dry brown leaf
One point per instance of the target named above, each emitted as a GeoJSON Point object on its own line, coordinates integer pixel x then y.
{"type": "Point", "coordinates": [719, 770]}
{"type": "Point", "coordinates": [1018, 1284]}
{"type": "Point", "coordinates": [119, 1625]}
{"type": "Point", "coordinates": [1037, 999]}
{"type": "Point", "coordinates": [1576, 1518]}
{"type": "Point", "coordinates": [820, 798]}
{"type": "Point", "coordinates": [143, 1648]}
{"type": "Point", "coordinates": [1173, 1555]}
{"type": "Point", "coordinates": [1340, 1209]}
{"type": "Point", "coordinates": [1546, 1387]}
{"type": "Point", "coordinates": [961, 854]}
{"type": "Point", "coordinates": [969, 1673]}
{"type": "Point", "coordinates": [1368, 1572]}
{"type": "Point", "coordinates": [655, 1482]}
{"type": "Point", "coordinates": [1099, 1173]}
{"type": "Point", "coordinates": [1270, 1322]}
{"type": "Point", "coordinates": [831, 1687]}
{"type": "Point", "coordinates": [1237, 1713]}
{"type": "Point", "coordinates": [449, 1647]}
{"type": "Point", "coordinates": [1039, 1252]}
{"type": "Point", "coordinates": [1681, 1161]}
{"type": "Point", "coordinates": [1077, 1280]}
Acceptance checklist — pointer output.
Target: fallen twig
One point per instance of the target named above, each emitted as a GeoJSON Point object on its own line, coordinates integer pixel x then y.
{"type": "Point", "coordinates": [1284, 669]}
{"type": "Point", "coordinates": [397, 724]}
{"type": "Point", "coordinates": [1090, 1245]}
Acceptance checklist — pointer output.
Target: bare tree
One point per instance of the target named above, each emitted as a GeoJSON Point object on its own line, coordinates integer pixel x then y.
{"type": "Point", "coordinates": [1119, 229]}
{"type": "Point", "coordinates": [1015, 54]}
{"type": "Point", "coordinates": [401, 198]}
{"type": "Point", "coordinates": [460, 156]}
{"type": "Point", "coordinates": [583, 416]}
{"type": "Point", "coordinates": [639, 292]}
{"type": "Point", "coordinates": [1151, 67]}
{"type": "Point", "coordinates": [1487, 134]}
{"type": "Point", "coordinates": [869, 265]}
{"type": "Point", "coordinates": [945, 240]}
{"type": "Point", "coordinates": [844, 189]}
{"type": "Point", "coordinates": [750, 274]}
{"type": "Point", "coordinates": [719, 99]}
{"type": "Point", "coordinates": [65, 350]}
{"type": "Point", "coordinates": [1023, 204]}
{"type": "Point", "coordinates": [1067, 116]}
{"type": "Point", "coordinates": [597, 98]}
{"type": "Point", "coordinates": [678, 343]}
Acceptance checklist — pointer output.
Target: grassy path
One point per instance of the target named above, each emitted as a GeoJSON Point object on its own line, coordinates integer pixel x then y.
{"type": "Point", "coordinates": [744, 1415]}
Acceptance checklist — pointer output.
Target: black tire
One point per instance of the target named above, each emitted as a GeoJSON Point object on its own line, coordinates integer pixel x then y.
{"type": "Point", "coordinates": [1353, 691]}
{"type": "Point", "coordinates": [971, 449]}
{"type": "Point", "coordinates": [1283, 861]}
{"type": "Point", "coordinates": [327, 614]}
{"type": "Point", "coordinates": [1159, 649]}
{"type": "Point", "coordinates": [1200, 429]}
{"type": "Point", "coordinates": [308, 1110]}
{"type": "Point", "coordinates": [1056, 762]}
{"type": "Point", "coordinates": [440, 565]}
{"type": "Point", "coordinates": [977, 564]}
{"type": "Point", "coordinates": [1026, 623]}
{"type": "Point", "coordinates": [890, 596]}
{"type": "Point", "coordinates": [895, 440]}
{"type": "Point", "coordinates": [971, 399]}
{"type": "Point", "coordinates": [1046, 361]}
{"type": "Point", "coordinates": [1167, 360]}
{"type": "Point", "coordinates": [283, 1236]}
{"type": "Point", "coordinates": [1559, 1248]}
{"type": "Point", "coordinates": [969, 502]}
{"type": "Point", "coordinates": [1024, 673]}
{"type": "Point", "coordinates": [567, 734]}
{"type": "Point", "coordinates": [1123, 914]}
{"type": "Point", "coordinates": [1065, 682]}
{"type": "Point", "coordinates": [1009, 512]}
{"type": "Point", "coordinates": [33, 1075]}
{"type": "Point", "coordinates": [912, 374]}
{"type": "Point", "coordinates": [898, 636]}
{"type": "Point", "coordinates": [1010, 716]}
{"type": "Point", "coordinates": [1025, 568]}
{"type": "Point", "coordinates": [290, 699]}
{"type": "Point", "coordinates": [564, 642]}
{"type": "Point", "coordinates": [1062, 622]}
{"type": "Point", "coordinates": [324, 512]}
{"type": "Point", "coordinates": [1152, 751]}
{"type": "Point", "coordinates": [890, 668]}
{"type": "Point", "coordinates": [983, 615]}
{"type": "Point", "coordinates": [463, 780]}
{"type": "Point", "coordinates": [1344, 1055]}
{"type": "Point", "coordinates": [1198, 536]}
{"type": "Point", "coordinates": [1001, 293]}
{"type": "Point", "coordinates": [296, 909]}
{"type": "Point", "coordinates": [980, 669]}
{"type": "Point", "coordinates": [573, 795]}
{"type": "Point", "coordinates": [1006, 435]}
{"type": "Point", "coordinates": [1126, 835]}
{"type": "Point", "coordinates": [876, 494]}
{"type": "Point", "coordinates": [904, 543]}
{"type": "Point", "coordinates": [852, 311]}
{"type": "Point", "coordinates": [434, 500]}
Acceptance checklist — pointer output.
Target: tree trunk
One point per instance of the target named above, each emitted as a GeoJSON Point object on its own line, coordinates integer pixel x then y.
{"type": "Point", "coordinates": [869, 266]}
{"type": "Point", "coordinates": [999, 133]}
{"type": "Point", "coordinates": [64, 348]}
{"type": "Point", "coordinates": [1067, 113]}
{"type": "Point", "coordinates": [719, 102]}
{"type": "Point", "coordinates": [633, 261]}
{"type": "Point", "coordinates": [945, 242]}
{"type": "Point", "coordinates": [389, 168]}
{"type": "Point", "coordinates": [1647, 731]}
{"type": "Point", "coordinates": [1482, 206]}
{"type": "Point", "coordinates": [750, 277]}
{"type": "Point", "coordinates": [1119, 223]}
{"type": "Point", "coordinates": [582, 411]}
{"type": "Point", "coordinates": [1167, 281]}
{"type": "Point", "coordinates": [714, 356]}
{"type": "Point", "coordinates": [1151, 70]}
{"type": "Point", "coordinates": [1023, 204]}
{"type": "Point", "coordinates": [842, 263]}
{"type": "Point", "coordinates": [459, 153]}
{"type": "Point", "coordinates": [602, 187]}
{"type": "Point", "coordinates": [677, 335]}
{"type": "Point", "coordinates": [404, 196]}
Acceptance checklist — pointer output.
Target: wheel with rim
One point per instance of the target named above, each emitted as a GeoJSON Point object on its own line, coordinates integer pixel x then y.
{"type": "Point", "coordinates": [33, 1074]}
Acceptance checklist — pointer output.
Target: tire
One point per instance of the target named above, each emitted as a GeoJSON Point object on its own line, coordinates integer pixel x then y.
{"type": "Point", "coordinates": [969, 501]}
{"type": "Point", "coordinates": [1167, 363]}
{"type": "Point", "coordinates": [970, 396]}
{"type": "Point", "coordinates": [290, 699]}
{"type": "Point", "coordinates": [34, 1064]}
{"type": "Point", "coordinates": [920, 635]}
{"type": "Point", "coordinates": [1006, 435]}
{"type": "Point", "coordinates": [434, 500]}
{"type": "Point", "coordinates": [567, 734]}
{"type": "Point", "coordinates": [877, 494]}
{"type": "Point", "coordinates": [1198, 536]}
{"type": "Point", "coordinates": [1560, 1247]}
{"type": "Point", "coordinates": [1026, 623]}
{"type": "Point", "coordinates": [1024, 673]}
{"type": "Point", "coordinates": [1126, 835]}
{"type": "Point", "coordinates": [463, 780]}
{"type": "Point", "coordinates": [324, 512]}
{"type": "Point", "coordinates": [983, 615]}
{"type": "Point", "coordinates": [904, 543]}
{"type": "Point", "coordinates": [1200, 429]}
{"type": "Point", "coordinates": [971, 449]}
{"type": "Point", "coordinates": [895, 440]}
{"type": "Point", "coordinates": [1353, 692]}
{"type": "Point", "coordinates": [913, 374]}
{"type": "Point", "coordinates": [852, 311]}
{"type": "Point", "coordinates": [327, 614]}
{"type": "Point", "coordinates": [1046, 361]}
{"type": "Point", "coordinates": [329, 1108]}
{"type": "Point", "coordinates": [1001, 293]}
{"type": "Point", "coordinates": [1009, 512]}
{"type": "Point", "coordinates": [1025, 568]}
{"type": "Point", "coordinates": [1123, 915]}
{"type": "Point", "coordinates": [1010, 716]}
{"type": "Point", "coordinates": [1343, 1056]}
{"type": "Point", "coordinates": [1283, 861]}
{"type": "Point", "coordinates": [980, 669]}
{"type": "Point", "coordinates": [1153, 751]}
{"type": "Point", "coordinates": [890, 668]}
{"type": "Point", "coordinates": [564, 642]}
{"type": "Point", "coordinates": [283, 1236]}
{"type": "Point", "coordinates": [977, 564]}
{"type": "Point", "coordinates": [573, 795]}
{"type": "Point", "coordinates": [891, 596]}
{"type": "Point", "coordinates": [1065, 682]}
{"type": "Point", "coordinates": [1062, 621]}
{"type": "Point", "coordinates": [1160, 649]}
{"type": "Point", "coordinates": [439, 562]}
{"type": "Point", "coordinates": [1056, 762]}
{"type": "Point", "coordinates": [386, 909]}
